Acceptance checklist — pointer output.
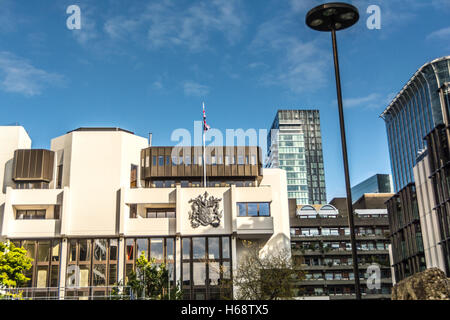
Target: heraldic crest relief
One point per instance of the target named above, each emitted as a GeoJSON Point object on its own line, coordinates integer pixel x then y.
{"type": "Point", "coordinates": [205, 211]}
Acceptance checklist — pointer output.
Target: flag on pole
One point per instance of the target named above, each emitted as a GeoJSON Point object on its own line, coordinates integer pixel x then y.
{"type": "Point", "coordinates": [205, 126]}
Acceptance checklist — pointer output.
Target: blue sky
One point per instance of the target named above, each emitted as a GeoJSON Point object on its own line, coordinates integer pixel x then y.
{"type": "Point", "coordinates": [146, 66]}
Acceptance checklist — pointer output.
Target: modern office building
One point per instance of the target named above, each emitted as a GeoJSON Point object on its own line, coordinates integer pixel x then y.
{"type": "Point", "coordinates": [416, 111]}
{"type": "Point", "coordinates": [295, 145]}
{"type": "Point", "coordinates": [320, 240]}
{"type": "Point", "coordinates": [378, 183]}
{"type": "Point", "coordinates": [438, 142]}
{"type": "Point", "coordinates": [88, 207]}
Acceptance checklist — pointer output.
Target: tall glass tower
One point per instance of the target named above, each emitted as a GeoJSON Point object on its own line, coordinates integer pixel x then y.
{"type": "Point", "coordinates": [414, 112]}
{"type": "Point", "coordinates": [295, 145]}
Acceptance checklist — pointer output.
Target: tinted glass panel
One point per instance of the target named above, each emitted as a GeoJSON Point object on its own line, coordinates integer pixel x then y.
{"type": "Point", "coordinates": [199, 273]}
{"type": "Point", "coordinates": [43, 251]}
{"type": "Point", "coordinates": [199, 248]}
{"type": "Point", "coordinates": [186, 248]}
{"type": "Point", "coordinates": [213, 248]}
{"type": "Point", "coordinates": [242, 209]}
{"type": "Point", "coordinates": [142, 247]}
{"type": "Point", "coordinates": [169, 249]}
{"type": "Point", "coordinates": [252, 209]}
{"type": "Point", "coordinates": [225, 248]}
{"type": "Point", "coordinates": [156, 249]}
{"type": "Point", "coordinates": [264, 209]}
{"type": "Point", "coordinates": [85, 250]}
{"type": "Point", "coordinates": [113, 249]}
{"type": "Point", "coordinates": [100, 248]}
{"type": "Point", "coordinates": [130, 249]}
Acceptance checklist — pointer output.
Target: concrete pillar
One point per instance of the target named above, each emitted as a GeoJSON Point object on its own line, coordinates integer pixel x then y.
{"type": "Point", "coordinates": [121, 260]}
{"type": "Point", "coordinates": [63, 267]}
{"type": "Point", "coordinates": [178, 259]}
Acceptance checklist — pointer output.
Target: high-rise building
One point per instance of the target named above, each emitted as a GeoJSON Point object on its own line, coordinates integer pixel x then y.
{"type": "Point", "coordinates": [99, 198]}
{"type": "Point", "coordinates": [295, 145]}
{"type": "Point", "coordinates": [417, 110]}
{"type": "Point", "coordinates": [378, 183]}
{"type": "Point", "coordinates": [320, 240]}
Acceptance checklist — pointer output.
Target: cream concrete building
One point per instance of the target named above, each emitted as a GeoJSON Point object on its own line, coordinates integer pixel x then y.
{"type": "Point", "coordinates": [429, 219]}
{"type": "Point", "coordinates": [89, 206]}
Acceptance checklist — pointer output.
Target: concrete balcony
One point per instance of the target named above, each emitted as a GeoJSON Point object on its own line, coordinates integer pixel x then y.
{"type": "Point", "coordinates": [50, 200]}
{"type": "Point", "coordinates": [150, 227]}
{"type": "Point", "coordinates": [47, 228]}
{"type": "Point", "coordinates": [255, 225]}
{"type": "Point", "coordinates": [150, 195]}
{"type": "Point", "coordinates": [35, 196]}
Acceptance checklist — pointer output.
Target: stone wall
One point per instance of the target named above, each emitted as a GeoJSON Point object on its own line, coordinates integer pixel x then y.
{"type": "Point", "coordinates": [431, 284]}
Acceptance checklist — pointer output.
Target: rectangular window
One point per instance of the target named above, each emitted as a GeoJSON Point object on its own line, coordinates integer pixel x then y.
{"type": "Point", "coordinates": [30, 214]}
{"type": "Point", "coordinates": [158, 213]}
{"type": "Point", "coordinates": [253, 209]}
{"type": "Point", "coordinates": [60, 176]}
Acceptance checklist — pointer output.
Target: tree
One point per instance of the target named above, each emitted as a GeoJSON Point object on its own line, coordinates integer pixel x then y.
{"type": "Point", "coordinates": [13, 263]}
{"type": "Point", "coordinates": [268, 276]}
{"type": "Point", "coordinates": [151, 281]}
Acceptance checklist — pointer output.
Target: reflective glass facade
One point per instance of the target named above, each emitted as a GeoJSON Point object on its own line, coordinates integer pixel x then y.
{"type": "Point", "coordinates": [378, 183]}
{"type": "Point", "coordinates": [295, 145]}
{"type": "Point", "coordinates": [411, 116]}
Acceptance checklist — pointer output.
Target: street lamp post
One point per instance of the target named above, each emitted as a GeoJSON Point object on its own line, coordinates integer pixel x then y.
{"type": "Point", "coordinates": [332, 17]}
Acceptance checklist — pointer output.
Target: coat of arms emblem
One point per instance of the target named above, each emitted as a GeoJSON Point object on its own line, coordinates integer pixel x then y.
{"type": "Point", "coordinates": [205, 211]}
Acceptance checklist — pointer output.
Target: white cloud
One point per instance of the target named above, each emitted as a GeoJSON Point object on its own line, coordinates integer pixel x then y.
{"type": "Point", "coordinates": [166, 23]}
{"type": "Point", "coordinates": [195, 89]}
{"type": "Point", "coordinates": [19, 76]}
{"type": "Point", "coordinates": [300, 65]}
{"type": "Point", "coordinates": [361, 101]}
{"type": "Point", "coordinates": [157, 85]}
{"type": "Point", "coordinates": [443, 33]}
{"type": "Point", "coordinates": [256, 65]}
{"type": "Point", "coordinates": [371, 101]}
{"type": "Point", "coordinates": [88, 32]}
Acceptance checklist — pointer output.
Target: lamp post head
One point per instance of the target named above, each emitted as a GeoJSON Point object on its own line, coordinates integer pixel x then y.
{"type": "Point", "coordinates": [332, 16]}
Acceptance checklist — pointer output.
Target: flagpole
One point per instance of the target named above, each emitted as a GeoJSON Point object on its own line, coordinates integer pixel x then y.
{"type": "Point", "coordinates": [204, 147]}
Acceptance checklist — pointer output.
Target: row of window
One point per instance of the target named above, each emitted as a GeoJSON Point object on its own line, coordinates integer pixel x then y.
{"type": "Point", "coordinates": [253, 209]}
{"type": "Point", "coordinates": [343, 245]}
{"type": "Point", "coordinates": [37, 214]}
{"type": "Point", "coordinates": [342, 275]}
{"type": "Point", "coordinates": [210, 160]}
{"type": "Point", "coordinates": [312, 261]}
{"type": "Point", "coordinates": [341, 290]}
{"type": "Point", "coordinates": [337, 231]}
{"type": "Point", "coordinates": [198, 183]}
{"type": "Point", "coordinates": [245, 209]}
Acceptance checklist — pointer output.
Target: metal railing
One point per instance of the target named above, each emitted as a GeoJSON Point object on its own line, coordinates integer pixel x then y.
{"type": "Point", "coordinates": [68, 293]}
